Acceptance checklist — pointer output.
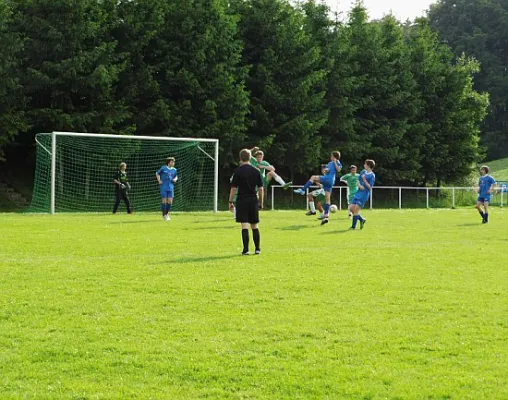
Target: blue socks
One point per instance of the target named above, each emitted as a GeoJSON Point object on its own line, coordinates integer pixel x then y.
{"type": "Point", "coordinates": [356, 218]}
{"type": "Point", "coordinates": [327, 208]}
{"type": "Point", "coordinates": [307, 185]}
{"type": "Point", "coordinates": [168, 208]}
{"type": "Point", "coordinates": [163, 208]}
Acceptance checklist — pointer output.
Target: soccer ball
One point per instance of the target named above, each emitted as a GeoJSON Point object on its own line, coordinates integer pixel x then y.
{"type": "Point", "coordinates": [333, 208]}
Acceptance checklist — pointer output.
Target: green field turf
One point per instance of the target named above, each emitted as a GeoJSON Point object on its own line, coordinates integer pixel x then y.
{"type": "Point", "coordinates": [131, 307]}
{"type": "Point", "coordinates": [499, 169]}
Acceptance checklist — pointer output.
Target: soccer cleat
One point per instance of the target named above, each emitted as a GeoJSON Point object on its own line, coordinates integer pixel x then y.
{"type": "Point", "coordinates": [287, 185]}
{"type": "Point", "coordinates": [258, 251]}
{"type": "Point", "coordinates": [484, 221]}
{"type": "Point", "coordinates": [362, 223]}
{"type": "Point", "coordinates": [299, 191]}
{"type": "Point", "coordinates": [245, 253]}
{"type": "Point", "coordinates": [321, 217]}
{"type": "Point", "coordinates": [310, 213]}
{"type": "Point", "coordinates": [324, 221]}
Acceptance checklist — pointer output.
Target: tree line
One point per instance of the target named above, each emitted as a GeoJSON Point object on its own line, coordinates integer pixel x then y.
{"type": "Point", "coordinates": [291, 79]}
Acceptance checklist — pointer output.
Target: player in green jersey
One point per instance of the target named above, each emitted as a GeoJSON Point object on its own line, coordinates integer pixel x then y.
{"type": "Point", "coordinates": [351, 180]}
{"type": "Point", "coordinates": [266, 169]}
{"type": "Point", "coordinates": [316, 200]}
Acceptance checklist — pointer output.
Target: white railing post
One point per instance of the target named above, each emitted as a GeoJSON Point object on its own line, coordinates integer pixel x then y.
{"type": "Point", "coordinates": [307, 199]}
{"type": "Point", "coordinates": [340, 198]}
{"type": "Point", "coordinates": [53, 172]}
{"type": "Point", "coordinates": [371, 196]}
{"type": "Point", "coordinates": [453, 197]}
{"type": "Point", "coordinates": [273, 197]}
{"type": "Point", "coordinates": [400, 198]}
{"type": "Point", "coordinates": [427, 190]}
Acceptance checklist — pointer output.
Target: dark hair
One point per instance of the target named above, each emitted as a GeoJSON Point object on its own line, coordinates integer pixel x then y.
{"type": "Point", "coordinates": [370, 163]}
{"type": "Point", "coordinates": [352, 166]}
{"type": "Point", "coordinates": [169, 159]}
{"type": "Point", "coordinates": [245, 155]}
{"type": "Point", "coordinates": [485, 168]}
{"type": "Point", "coordinates": [336, 154]}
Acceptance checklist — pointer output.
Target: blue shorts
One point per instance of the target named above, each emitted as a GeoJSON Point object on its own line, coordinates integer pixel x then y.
{"type": "Point", "coordinates": [166, 193]}
{"type": "Point", "coordinates": [484, 199]}
{"type": "Point", "coordinates": [360, 200]}
{"type": "Point", "coordinates": [326, 182]}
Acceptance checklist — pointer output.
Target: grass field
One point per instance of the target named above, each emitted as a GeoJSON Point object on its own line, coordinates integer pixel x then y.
{"type": "Point", "coordinates": [499, 169]}
{"type": "Point", "coordinates": [131, 307]}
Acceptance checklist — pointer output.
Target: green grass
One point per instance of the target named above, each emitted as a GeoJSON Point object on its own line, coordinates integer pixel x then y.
{"type": "Point", "coordinates": [499, 169]}
{"type": "Point", "coordinates": [130, 307]}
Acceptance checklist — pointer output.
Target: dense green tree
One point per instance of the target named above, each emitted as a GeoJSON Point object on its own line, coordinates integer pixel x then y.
{"type": "Point", "coordinates": [69, 64]}
{"type": "Point", "coordinates": [184, 77]}
{"type": "Point", "coordinates": [287, 106]}
{"type": "Point", "coordinates": [12, 120]}
{"type": "Point", "coordinates": [479, 28]}
{"type": "Point", "coordinates": [378, 105]}
{"type": "Point", "coordinates": [451, 110]}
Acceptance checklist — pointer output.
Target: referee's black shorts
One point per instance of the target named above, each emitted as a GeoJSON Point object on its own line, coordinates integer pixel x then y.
{"type": "Point", "coordinates": [247, 210]}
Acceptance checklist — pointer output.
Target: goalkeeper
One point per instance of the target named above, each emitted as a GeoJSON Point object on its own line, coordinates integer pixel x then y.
{"type": "Point", "coordinates": [121, 188]}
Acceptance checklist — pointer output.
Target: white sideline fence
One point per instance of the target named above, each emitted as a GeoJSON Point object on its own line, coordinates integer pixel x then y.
{"type": "Point", "coordinates": [430, 197]}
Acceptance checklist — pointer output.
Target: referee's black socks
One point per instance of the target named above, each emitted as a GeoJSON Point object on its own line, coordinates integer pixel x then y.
{"type": "Point", "coordinates": [245, 239]}
{"type": "Point", "coordinates": [255, 236]}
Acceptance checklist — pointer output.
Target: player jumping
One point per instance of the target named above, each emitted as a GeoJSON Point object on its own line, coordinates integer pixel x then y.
{"type": "Point", "coordinates": [327, 180]}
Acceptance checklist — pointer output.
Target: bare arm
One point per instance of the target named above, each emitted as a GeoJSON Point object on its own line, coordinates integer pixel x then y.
{"type": "Point", "coordinates": [158, 179]}
{"type": "Point", "coordinates": [232, 194]}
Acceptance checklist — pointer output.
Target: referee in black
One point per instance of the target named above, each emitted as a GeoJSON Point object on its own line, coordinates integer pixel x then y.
{"type": "Point", "coordinates": [247, 182]}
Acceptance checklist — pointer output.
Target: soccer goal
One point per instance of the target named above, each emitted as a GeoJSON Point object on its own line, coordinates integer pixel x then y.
{"type": "Point", "coordinates": [75, 171]}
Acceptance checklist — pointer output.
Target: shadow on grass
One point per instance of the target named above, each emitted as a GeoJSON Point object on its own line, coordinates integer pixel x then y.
{"type": "Point", "coordinates": [293, 227]}
{"type": "Point", "coordinates": [144, 221]}
{"type": "Point", "coordinates": [470, 224]}
{"type": "Point", "coordinates": [207, 228]}
{"type": "Point", "coordinates": [188, 260]}
{"type": "Point", "coordinates": [341, 231]}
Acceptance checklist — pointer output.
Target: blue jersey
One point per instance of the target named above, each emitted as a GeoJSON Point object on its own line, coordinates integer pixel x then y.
{"type": "Point", "coordinates": [485, 183]}
{"type": "Point", "coordinates": [330, 175]}
{"type": "Point", "coordinates": [167, 175]}
{"type": "Point", "coordinates": [370, 177]}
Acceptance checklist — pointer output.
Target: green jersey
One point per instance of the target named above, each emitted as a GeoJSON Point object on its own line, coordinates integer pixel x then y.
{"type": "Point", "coordinates": [352, 184]}
{"type": "Point", "coordinates": [262, 171]}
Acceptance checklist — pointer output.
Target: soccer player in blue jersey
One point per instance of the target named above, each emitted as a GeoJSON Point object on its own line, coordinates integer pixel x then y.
{"type": "Point", "coordinates": [485, 188]}
{"type": "Point", "coordinates": [327, 180]}
{"type": "Point", "coordinates": [365, 185]}
{"type": "Point", "coordinates": [167, 177]}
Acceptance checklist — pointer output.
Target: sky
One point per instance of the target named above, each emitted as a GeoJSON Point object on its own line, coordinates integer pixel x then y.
{"type": "Point", "coordinates": [402, 9]}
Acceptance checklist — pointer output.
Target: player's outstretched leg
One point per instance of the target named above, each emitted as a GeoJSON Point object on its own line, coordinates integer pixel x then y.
{"type": "Point", "coordinates": [307, 185]}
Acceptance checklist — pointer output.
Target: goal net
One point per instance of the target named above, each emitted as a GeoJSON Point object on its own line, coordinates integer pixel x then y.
{"type": "Point", "coordinates": [75, 172]}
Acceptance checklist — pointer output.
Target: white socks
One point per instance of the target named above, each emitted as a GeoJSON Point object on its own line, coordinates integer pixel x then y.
{"type": "Point", "coordinates": [312, 206]}
{"type": "Point", "coordinates": [279, 180]}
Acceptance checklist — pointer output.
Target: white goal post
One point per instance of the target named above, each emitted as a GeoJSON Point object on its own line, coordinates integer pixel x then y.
{"type": "Point", "coordinates": [79, 164]}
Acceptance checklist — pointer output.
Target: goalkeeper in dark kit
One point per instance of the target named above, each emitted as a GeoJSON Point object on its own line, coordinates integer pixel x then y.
{"type": "Point", "coordinates": [122, 187]}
